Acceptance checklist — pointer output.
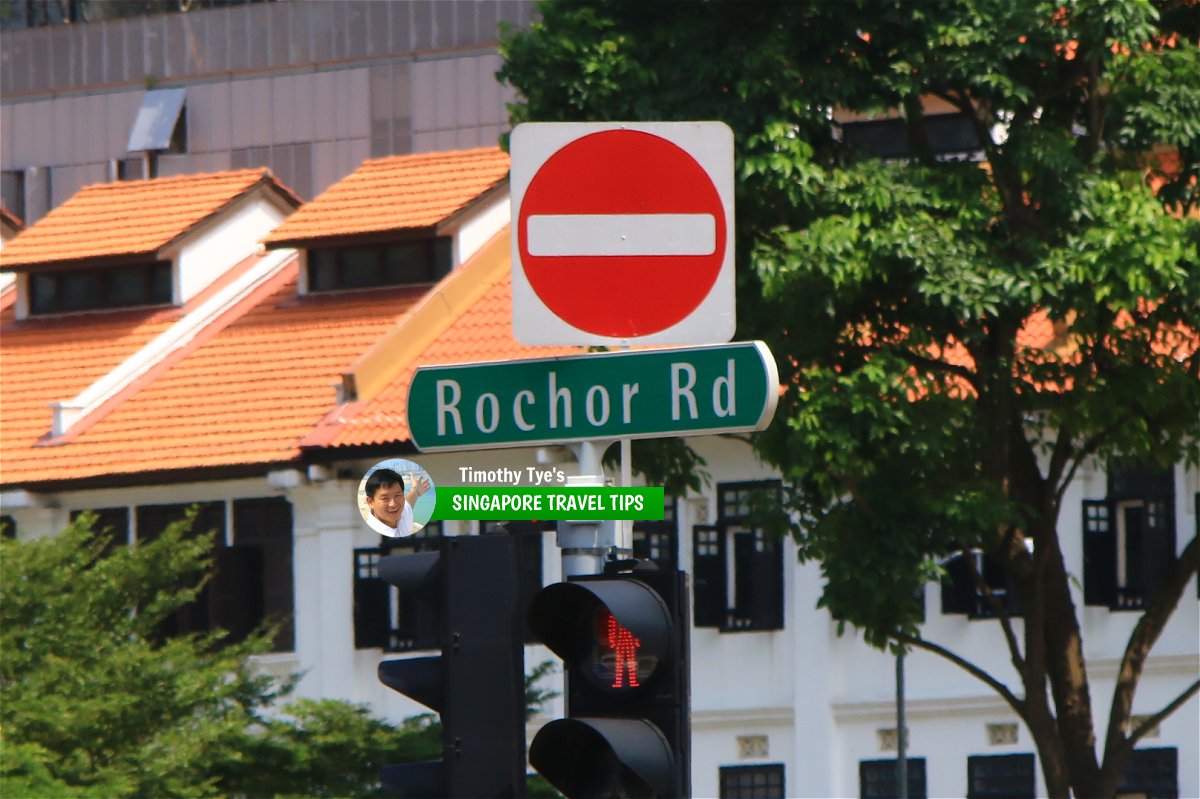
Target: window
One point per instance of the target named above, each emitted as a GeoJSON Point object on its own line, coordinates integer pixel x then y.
{"type": "Point", "coordinates": [1000, 777]}
{"type": "Point", "coordinates": [113, 522]}
{"type": "Point", "coordinates": [656, 540]}
{"type": "Point", "coordinates": [161, 123]}
{"type": "Point", "coordinates": [372, 266]}
{"type": "Point", "coordinates": [1129, 537]}
{"type": "Point", "coordinates": [752, 782]}
{"type": "Point", "coordinates": [738, 567]}
{"type": "Point", "coordinates": [877, 778]}
{"type": "Point", "coordinates": [382, 617]}
{"type": "Point", "coordinates": [252, 575]}
{"type": "Point", "coordinates": [152, 520]}
{"type": "Point", "coordinates": [12, 192]}
{"type": "Point", "coordinates": [1151, 774]}
{"type": "Point", "coordinates": [960, 594]}
{"type": "Point", "coordinates": [96, 289]}
{"type": "Point", "coordinates": [262, 530]}
{"type": "Point", "coordinates": [948, 135]}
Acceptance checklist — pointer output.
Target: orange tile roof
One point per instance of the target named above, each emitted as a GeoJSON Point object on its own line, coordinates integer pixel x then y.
{"type": "Point", "coordinates": [244, 397]}
{"type": "Point", "coordinates": [400, 192]}
{"type": "Point", "coordinates": [484, 333]}
{"type": "Point", "coordinates": [246, 392]}
{"type": "Point", "coordinates": [53, 359]}
{"type": "Point", "coordinates": [136, 217]}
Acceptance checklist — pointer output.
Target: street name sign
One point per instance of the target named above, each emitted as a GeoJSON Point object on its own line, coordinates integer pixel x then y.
{"type": "Point", "coordinates": [623, 233]}
{"type": "Point", "coordinates": [679, 391]}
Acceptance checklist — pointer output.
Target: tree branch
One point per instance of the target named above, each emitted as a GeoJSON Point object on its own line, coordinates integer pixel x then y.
{"type": "Point", "coordinates": [1060, 458]}
{"type": "Point", "coordinates": [1014, 649]}
{"type": "Point", "coordinates": [1016, 704]}
{"type": "Point", "coordinates": [936, 365]}
{"type": "Point", "coordinates": [1153, 721]}
{"type": "Point", "coordinates": [1086, 450]}
{"type": "Point", "coordinates": [1149, 627]}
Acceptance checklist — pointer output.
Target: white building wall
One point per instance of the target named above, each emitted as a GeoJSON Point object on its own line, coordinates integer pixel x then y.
{"type": "Point", "coordinates": [801, 696]}
{"type": "Point", "coordinates": [210, 253]}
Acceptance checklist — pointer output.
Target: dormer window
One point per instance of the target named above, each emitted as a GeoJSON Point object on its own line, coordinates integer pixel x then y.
{"type": "Point", "coordinates": [948, 135]}
{"type": "Point", "coordinates": [377, 265]}
{"type": "Point", "coordinates": [97, 289]}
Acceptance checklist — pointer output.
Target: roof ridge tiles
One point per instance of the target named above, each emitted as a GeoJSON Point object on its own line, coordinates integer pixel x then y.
{"type": "Point", "coordinates": [94, 222]}
{"type": "Point", "coordinates": [397, 192]}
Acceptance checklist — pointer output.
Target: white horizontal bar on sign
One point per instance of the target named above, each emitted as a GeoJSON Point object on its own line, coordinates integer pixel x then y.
{"type": "Point", "coordinates": [622, 234]}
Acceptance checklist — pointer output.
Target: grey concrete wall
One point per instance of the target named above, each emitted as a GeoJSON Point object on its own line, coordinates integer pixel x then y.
{"type": "Point", "coordinates": [290, 34]}
{"type": "Point", "coordinates": [309, 89]}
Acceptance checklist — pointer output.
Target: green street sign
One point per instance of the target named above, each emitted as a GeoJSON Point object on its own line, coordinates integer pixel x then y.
{"type": "Point", "coordinates": [721, 388]}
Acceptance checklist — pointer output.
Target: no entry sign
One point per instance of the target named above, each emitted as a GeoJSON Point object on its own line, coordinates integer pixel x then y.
{"type": "Point", "coordinates": [623, 233]}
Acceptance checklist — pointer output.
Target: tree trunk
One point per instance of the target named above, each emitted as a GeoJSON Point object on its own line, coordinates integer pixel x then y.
{"type": "Point", "coordinates": [1067, 673]}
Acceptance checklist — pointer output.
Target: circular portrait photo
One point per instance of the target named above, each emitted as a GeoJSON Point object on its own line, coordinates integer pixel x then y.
{"type": "Point", "coordinates": [396, 497]}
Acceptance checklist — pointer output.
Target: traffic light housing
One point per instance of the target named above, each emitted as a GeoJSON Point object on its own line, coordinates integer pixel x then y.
{"type": "Point", "coordinates": [623, 638]}
{"type": "Point", "coordinates": [477, 683]}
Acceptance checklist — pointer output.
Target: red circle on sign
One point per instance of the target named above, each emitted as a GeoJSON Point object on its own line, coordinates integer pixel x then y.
{"type": "Point", "coordinates": [621, 172]}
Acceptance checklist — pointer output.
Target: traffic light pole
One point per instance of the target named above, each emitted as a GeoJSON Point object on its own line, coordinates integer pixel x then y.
{"type": "Point", "coordinates": [588, 545]}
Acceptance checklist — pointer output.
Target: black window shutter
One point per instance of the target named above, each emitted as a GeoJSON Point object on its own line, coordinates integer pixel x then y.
{"type": "Point", "coordinates": [1158, 543]}
{"type": "Point", "coordinates": [877, 778]}
{"type": "Point", "coordinates": [656, 541]}
{"type": "Point", "coordinates": [152, 520]}
{"type": "Point", "coordinates": [265, 524]}
{"type": "Point", "coordinates": [958, 590]}
{"type": "Point", "coordinates": [529, 572]}
{"type": "Point", "coordinates": [113, 522]}
{"type": "Point", "coordinates": [1153, 773]}
{"type": "Point", "coordinates": [708, 571]}
{"type": "Point", "coordinates": [766, 575]}
{"type": "Point", "coordinates": [1001, 776]}
{"type": "Point", "coordinates": [211, 519]}
{"type": "Point", "coordinates": [371, 622]}
{"type": "Point", "coordinates": [1099, 554]}
{"type": "Point", "coordinates": [235, 593]}
{"type": "Point", "coordinates": [997, 578]}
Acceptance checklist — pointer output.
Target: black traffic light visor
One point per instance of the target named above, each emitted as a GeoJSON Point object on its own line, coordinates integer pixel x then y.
{"type": "Point", "coordinates": [561, 615]}
{"type": "Point", "coordinates": [584, 757]}
{"type": "Point", "coordinates": [414, 573]}
{"type": "Point", "coordinates": [422, 678]}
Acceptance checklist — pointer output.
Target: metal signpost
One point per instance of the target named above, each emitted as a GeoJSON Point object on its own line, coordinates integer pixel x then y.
{"type": "Point", "coordinates": [622, 236]}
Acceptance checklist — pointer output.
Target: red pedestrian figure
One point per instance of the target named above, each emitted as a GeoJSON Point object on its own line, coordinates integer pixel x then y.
{"type": "Point", "coordinates": [624, 645]}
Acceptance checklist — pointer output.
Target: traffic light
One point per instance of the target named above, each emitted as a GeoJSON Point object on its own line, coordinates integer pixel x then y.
{"type": "Point", "coordinates": [623, 638]}
{"type": "Point", "coordinates": [477, 683]}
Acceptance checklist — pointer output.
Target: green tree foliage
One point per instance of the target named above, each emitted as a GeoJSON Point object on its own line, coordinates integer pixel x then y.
{"type": "Point", "coordinates": [93, 703]}
{"type": "Point", "coordinates": [957, 338]}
